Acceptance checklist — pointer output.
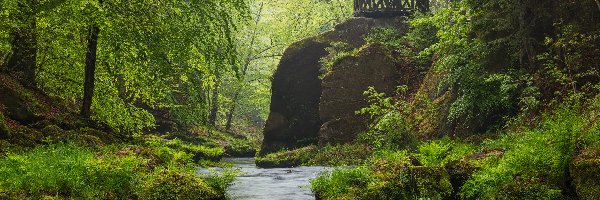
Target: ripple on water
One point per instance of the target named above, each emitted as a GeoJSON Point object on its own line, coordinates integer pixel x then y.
{"type": "Point", "coordinates": [271, 184]}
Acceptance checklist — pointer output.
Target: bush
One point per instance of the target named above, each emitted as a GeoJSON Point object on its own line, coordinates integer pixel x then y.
{"type": "Point", "coordinates": [392, 122]}
{"type": "Point", "coordinates": [386, 175]}
{"type": "Point", "coordinates": [167, 184]}
{"type": "Point", "coordinates": [535, 163]}
{"type": "Point", "coordinates": [340, 182]}
{"type": "Point", "coordinates": [438, 153]}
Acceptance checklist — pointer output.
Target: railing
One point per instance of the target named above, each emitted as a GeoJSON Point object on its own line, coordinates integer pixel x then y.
{"type": "Point", "coordinates": [388, 8]}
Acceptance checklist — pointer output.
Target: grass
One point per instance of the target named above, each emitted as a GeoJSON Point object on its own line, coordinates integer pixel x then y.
{"type": "Point", "coordinates": [153, 170]}
{"type": "Point", "coordinates": [67, 170]}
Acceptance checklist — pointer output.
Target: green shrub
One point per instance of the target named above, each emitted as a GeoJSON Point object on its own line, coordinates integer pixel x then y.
{"type": "Point", "coordinates": [392, 122]}
{"type": "Point", "coordinates": [534, 163]}
{"type": "Point", "coordinates": [340, 182]}
{"type": "Point", "coordinates": [220, 181]}
{"type": "Point", "coordinates": [387, 36]}
{"type": "Point", "coordinates": [438, 153]}
{"type": "Point", "coordinates": [168, 184]}
{"type": "Point", "coordinates": [386, 175]}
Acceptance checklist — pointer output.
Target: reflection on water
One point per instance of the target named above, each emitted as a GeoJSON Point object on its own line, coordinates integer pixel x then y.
{"type": "Point", "coordinates": [271, 184]}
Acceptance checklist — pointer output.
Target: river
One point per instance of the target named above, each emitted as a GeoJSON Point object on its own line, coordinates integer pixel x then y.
{"type": "Point", "coordinates": [271, 184]}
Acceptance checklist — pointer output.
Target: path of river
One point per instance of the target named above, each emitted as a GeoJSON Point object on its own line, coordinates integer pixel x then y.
{"type": "Point", "coordinates": [271, 184]}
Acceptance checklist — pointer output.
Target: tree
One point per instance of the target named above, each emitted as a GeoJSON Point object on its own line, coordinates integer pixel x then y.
{"type": "Point", "coordinates": [90, 69]}
{"type": "Point", "coordinates": [22, 63]}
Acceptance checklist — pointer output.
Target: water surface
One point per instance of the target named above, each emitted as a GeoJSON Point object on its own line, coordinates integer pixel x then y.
{"type": "Point", "coordinates": [272, 184]}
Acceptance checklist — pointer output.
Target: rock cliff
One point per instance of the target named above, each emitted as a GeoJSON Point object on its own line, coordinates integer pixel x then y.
{"type": "Point", "coordinates": [307, 109]}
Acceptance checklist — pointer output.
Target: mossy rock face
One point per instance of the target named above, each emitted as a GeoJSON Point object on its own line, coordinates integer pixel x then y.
{"type": "Point", "coordinates": [530, 188]}
{"type": "Point", "coordinates": [176, 185]}
{"type": "Point", "coordinates": [20, 106]}
{"type": "Point", "coordinates": [4, 129]}
{"type": "Point", "coordinates": [52, 130]}
{"type": "Point", "coordinates": [295, 117]}
{"type": "Point", "coordinates": [431, 182]}
{"type": "Point", "coordinates": [585, 171]}
{"type": "Point", "coordinates": [460, 172]}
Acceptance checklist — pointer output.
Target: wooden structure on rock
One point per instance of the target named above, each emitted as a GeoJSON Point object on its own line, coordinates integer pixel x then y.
{"type": "Point", "coordinates": [388, 8]}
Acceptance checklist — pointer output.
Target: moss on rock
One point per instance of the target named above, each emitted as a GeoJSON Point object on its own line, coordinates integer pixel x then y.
{"type": "Point", "coordinates": [284, 158]}
{"type": "Point", "coordinates": [585, 171]}
{"type": "Point", "coordinates": [431, 182]}
{"type": "Point", "coordinates": [167, 185]}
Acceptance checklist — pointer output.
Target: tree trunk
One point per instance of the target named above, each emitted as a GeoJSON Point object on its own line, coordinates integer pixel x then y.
{"type": "Point", "coordinates": [231, 111]}
{"type": "Point", "coordinates": [90, 68]}
{"type": "Point", "coordinates": [212, 118]}
{"type": "Point", "coordinates": [22, 63]}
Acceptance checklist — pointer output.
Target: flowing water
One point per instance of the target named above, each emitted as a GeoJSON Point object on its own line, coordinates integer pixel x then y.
{"type": "Point", "coordinates": [271, 184]}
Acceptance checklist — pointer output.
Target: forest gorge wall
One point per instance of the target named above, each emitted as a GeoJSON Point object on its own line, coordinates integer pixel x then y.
{"type": "Point", "coordinates": [311, 105]}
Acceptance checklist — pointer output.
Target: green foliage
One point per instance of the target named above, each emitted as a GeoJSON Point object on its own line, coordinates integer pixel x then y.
{"type": "Point", "coordinates": [391, 120]}
{"type": "Point", "coordinates": [421, 37]}
{"type": "Point", "coordinates": [341, 182]}
{"type": "Point", "coordinates": [66, 170]}
{"type": "Point", "coordinates": [439, 153]}
{"type": "Point", "coordinates": [220, 181]}
{"type": "Point", "coordinates": [386, 36]}
{"type": "Point", "coordinates": [337, 52]}
{"type": "Point", "coordinates": [534, 163]}
{"type": "Point", "coordinates": [199, 152]}
{"type": "Point", "coordinates": [386, 175]}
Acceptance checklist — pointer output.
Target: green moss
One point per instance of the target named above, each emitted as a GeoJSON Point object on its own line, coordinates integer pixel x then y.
{"type": "Point", "coordinates": [431, 182]}
{"type": "Point", "coordinates": [585, 172]}
{"type": "Point", "coordinates": [340, 155]}
{"type": "Point", "coordinates": [240, 148]}
{"type": "Point", "coordinates": [168, 184]}
{"type": "Point", "coordinates": [199, 152]}
{"type": "Point", "coordinates": [286, 158]}
{"type": "Point", "coordinates": [530, 188]}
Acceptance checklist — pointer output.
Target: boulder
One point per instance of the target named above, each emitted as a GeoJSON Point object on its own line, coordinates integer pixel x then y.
{"type": "Point", "coordinates": [295, 120]}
